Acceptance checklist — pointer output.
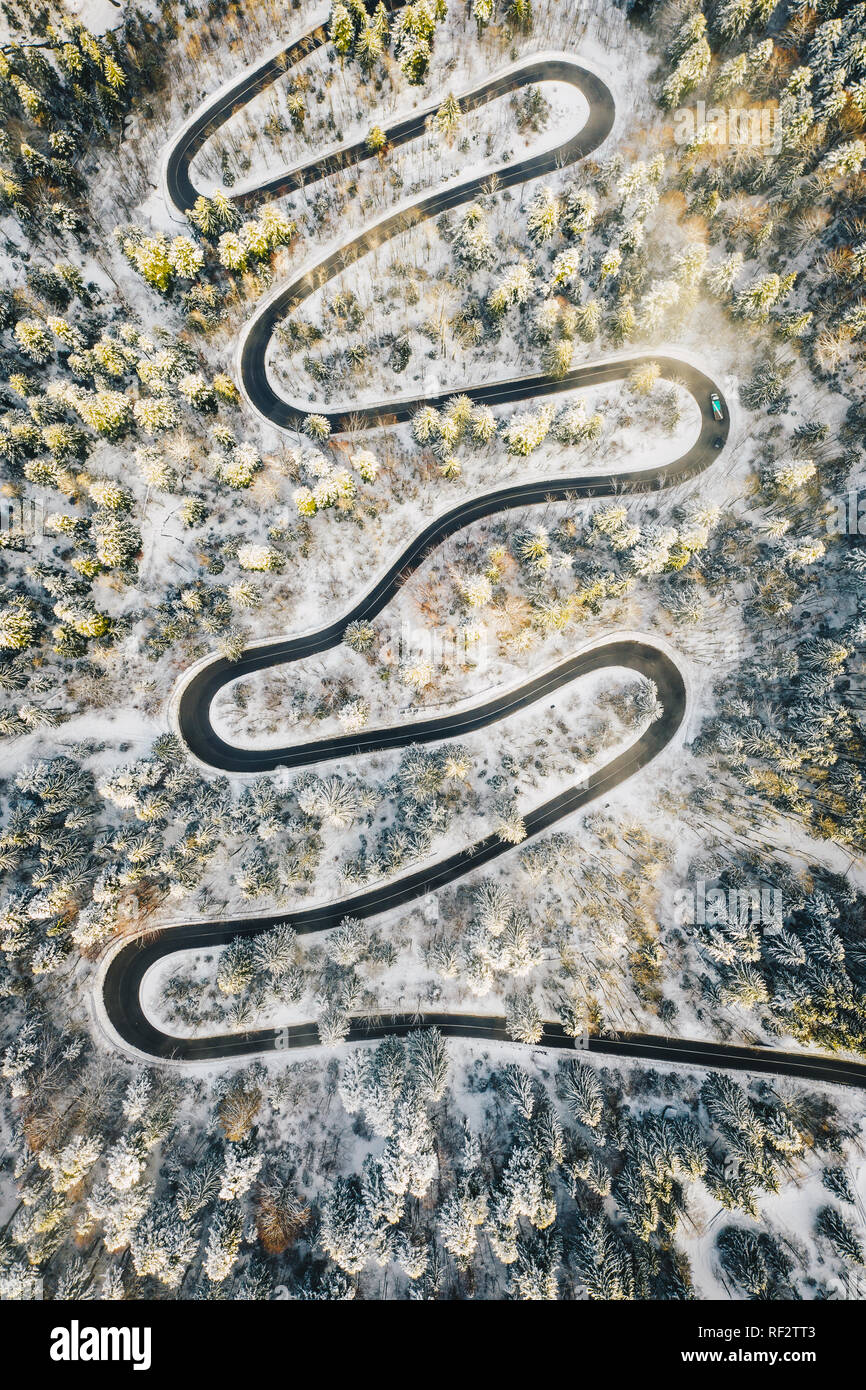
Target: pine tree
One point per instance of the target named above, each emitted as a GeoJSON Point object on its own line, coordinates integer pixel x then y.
{"type": "Point", "coordinates": [522, 1018]}
{"type": "Point", "coordinates": [544, 216]}
{"type": "Point", "coordinates": [514, 288]}
{"type": "Point", "coordinates": [533, 1276]}
{"type": "Point", "coordinates": [346, 1232]}
{"type": "Point", "coordinates": [691, 53]}
{"type": "Point", "coordinates": [482, 13]}
{"type": "Point", "coordinates": [341, 30]}
{"type": "Point", "coordinates": [840, 1233]}
{"type": "Point", "coordinates": [584, 1094]}
{"type": "Point", "coordinates": [520, 14]}
{"type": "Point", "coordinates": [446, 120]}
{"type": "Point", "coordinates": [428, 1063]}
{"type": "Point", "coordinates": [34, 340]}
{"type": "Point", "coordinates": [204, 216]}
{"type": "Point", "coordinates": [600, 1260]}
{"type": "Point", "coordinates": [223, 1242]}
{"type": "Point", "coordinates": [162, 1246]}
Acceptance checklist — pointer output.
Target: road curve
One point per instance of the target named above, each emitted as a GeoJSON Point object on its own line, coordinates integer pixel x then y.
{"type": "Point", "coordinates": [197, 696]}
{"type": "Point", "coordinates": [256, 336]}
{"type": "Point", "coordinates": [128, 962]}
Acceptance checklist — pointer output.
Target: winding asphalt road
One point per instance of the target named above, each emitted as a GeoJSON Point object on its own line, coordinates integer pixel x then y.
{"type": "Point", "coordinates": [206, 682]}
{"type": "Point", "coordinates": [128, 964]}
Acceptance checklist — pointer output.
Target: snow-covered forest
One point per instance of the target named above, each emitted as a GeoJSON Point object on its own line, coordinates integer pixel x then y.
{"type": "Point", "coordinates": [158, 523]}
